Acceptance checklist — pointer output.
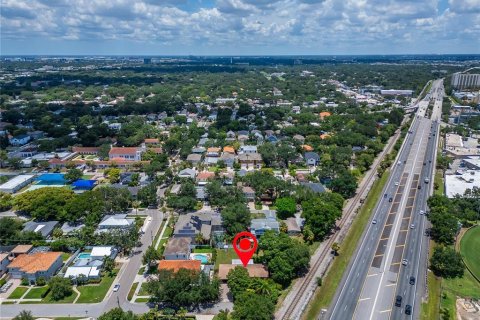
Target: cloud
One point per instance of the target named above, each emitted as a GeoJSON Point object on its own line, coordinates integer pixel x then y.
{"type": "Point", "coordinates": [244, 26]}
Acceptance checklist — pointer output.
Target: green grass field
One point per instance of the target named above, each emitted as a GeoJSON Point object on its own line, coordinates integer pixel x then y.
{"type": "Point", "coordinates": [225, 256]}
{"type": "Point", "coordinates": [324, 295]}
{"type": "Point", "coordinates": [432, 306]}
{"type": "Point", "coordinates": [132, 291]}
{"type": "Point", "coordinates": [18, 293]}
{"type": "Point", "coordinates": [36, 293]}
{"type": "Point", "coordinates": [470, 250]}
{"type": "Point", "coordinates": [95, 293]}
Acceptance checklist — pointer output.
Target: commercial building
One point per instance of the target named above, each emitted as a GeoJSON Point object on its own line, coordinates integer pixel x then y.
{"type": "Point", "coordinates": [17, 183]}
{"type": "Point", "coordinates": [394, 92]}
{"type": "Point", "coordinates": [465, 81]}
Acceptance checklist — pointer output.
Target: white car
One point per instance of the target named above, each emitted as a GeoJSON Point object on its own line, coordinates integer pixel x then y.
{"type": "Point", "coordinates": [412, 226]}
{"type": "Point", "coordinates": [374, 221]}
{"type": "Point", "coordinates": [404, 262]}
{"type": "Point", "coordinates": [396, 183]}
{"type": "Point", "coordinates": [422, 212]}
{"type": "Point", "coordinates": [116, 287]}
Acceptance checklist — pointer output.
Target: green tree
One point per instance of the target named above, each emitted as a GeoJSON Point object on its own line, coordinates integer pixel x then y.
{"type": "Point", "coordinates": [73, 175]}
{"type": "Point", "coordinates": [6, 201]}
{"type": "Point", "coordinates": [60, 288]}
{"type": "Point", "coordinates": [238, 281]}
{"type": "Point", "coordinates": [446, 262]}
{"type": "Point", "coordinates": [184, 288]}
{"type": "Point", "coordinates": [45, 203]}
{"type": "Point", "coordinates": [113, 175]}
{"type": "Point", "coordinates": [15, 163]}
{"type": "Point", "coordinates": [118, 314]}
{"type": "Point", "coordinates": [444, 225]}
{"type": "Point", "coordinates": [24, 315]}
{"type": "Point", "coordinates": [345, 184]}
{"type": "Point", "coordinates": [108, 265]}
{"type": "Point", "coordinates": [251, 306]}
{"type": "Point", "coordinates": [236, 218]}
{"type": "Point", "coordinates": [286, 207]}
{"type": "Point", "coordinates": [151, 255]}
{"type": "Point", "coordinates": [320, 216]}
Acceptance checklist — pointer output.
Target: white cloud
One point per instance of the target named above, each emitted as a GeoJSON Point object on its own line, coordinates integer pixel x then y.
{"type": "Point", "coordinates": [308, 26]}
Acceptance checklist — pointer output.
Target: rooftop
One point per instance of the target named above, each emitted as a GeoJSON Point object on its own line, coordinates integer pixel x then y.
{"type": "Point", "coordinates": [254, 270]}
{"type": "Point", "coordinates": [176, 265]}
{"type": "Point", "coordinates": [31, 263]}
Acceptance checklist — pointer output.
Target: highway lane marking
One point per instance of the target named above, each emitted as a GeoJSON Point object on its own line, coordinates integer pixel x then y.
{"type": "Point", "coordinates": [391, 284]}
{"type": "Point", "coordinates": [388, 254]}
{"type": "Point", "coordinates": [400, 245]}
{"type": "Point", "coordinates": [378, 255]}
{"type": "Point", "coordinates": [383, 311]}
{"type": "Point", "coordinates": [364, 299]}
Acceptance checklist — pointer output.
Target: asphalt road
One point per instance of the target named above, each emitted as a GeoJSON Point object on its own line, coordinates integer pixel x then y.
{"type": "Point", "coordinates": [112, 300]}
{"type": "Point", "coordinates": [375, 275]}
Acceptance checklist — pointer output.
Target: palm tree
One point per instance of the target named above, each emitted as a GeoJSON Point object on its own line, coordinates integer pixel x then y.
{"type": "Point", "coordinates": [199, 238]}
{"type": "Point", "coordinates": [261, 287]}
{"type": "Point", "coordinates": [136, 205]}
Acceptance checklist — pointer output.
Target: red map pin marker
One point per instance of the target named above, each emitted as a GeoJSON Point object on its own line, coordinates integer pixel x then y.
{"type": "Point", "coordinates": [245, 244]}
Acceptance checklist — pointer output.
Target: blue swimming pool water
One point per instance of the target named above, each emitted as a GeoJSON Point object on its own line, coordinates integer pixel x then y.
{"type": "Point", "coordinates": [84, 255]}
{"type": "Point", "coordinates": [201, 257]}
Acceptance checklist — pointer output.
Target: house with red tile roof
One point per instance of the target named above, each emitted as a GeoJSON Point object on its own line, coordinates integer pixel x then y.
{"type": "Point", "coordinates": [36, 265]}
{"type": "Point", "coordinates": [125, 153]}
{"type": "Point", "coordinates": [176, 265]}
{"type": "Point", "coordinates": [203, 177]}
{"type": "Point", "coordinates": [151, 141]}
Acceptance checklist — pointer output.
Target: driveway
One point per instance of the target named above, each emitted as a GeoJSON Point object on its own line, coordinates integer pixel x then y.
{"type": "Point", "coordinates": [113, 299]}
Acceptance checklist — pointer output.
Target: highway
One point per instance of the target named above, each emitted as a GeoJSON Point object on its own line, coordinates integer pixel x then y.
{"type": "Point", "coordinates": [378, 271]}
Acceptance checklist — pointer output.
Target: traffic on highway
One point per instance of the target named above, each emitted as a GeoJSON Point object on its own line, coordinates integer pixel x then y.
{"type": "Point", "coordinates": [383, 279]}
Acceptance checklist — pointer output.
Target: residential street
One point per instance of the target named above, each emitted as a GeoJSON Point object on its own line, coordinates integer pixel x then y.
{"type": "Point", "coordinates": [112, 300]}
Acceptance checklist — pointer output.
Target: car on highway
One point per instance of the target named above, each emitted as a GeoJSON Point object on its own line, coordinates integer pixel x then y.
{"type": "Point", "coordinates": [399, 162]}
{"type": "Point", "coordinates": [385, 195]}
{"type": "Point", "coordinates": [422, 212]}
{"type": "Point", "coordinates": [412, 280]}
{"type": "Point", "coordinates": [116, 287]}
{"type": "Point", "coordinates": [390, 200]}
{"type": "Point", "coordinates": [404, 262]}
{"type": "Point", "coordinates": [412, 226]}
{"type": "Point", "coordinates": [419, 187]}
{"type": "Point", "coordinates": [408, 309]}
{"type": "Point", "coordinates": [374, 221]}
{"type": "Point", "coordinates": [398, 301]}
{"type": "Point", "coordinates": [396, 183]}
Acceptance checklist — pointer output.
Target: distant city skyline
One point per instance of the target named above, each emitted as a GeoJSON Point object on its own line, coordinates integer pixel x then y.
{"type": "Point", "coordinates": [239, 27]}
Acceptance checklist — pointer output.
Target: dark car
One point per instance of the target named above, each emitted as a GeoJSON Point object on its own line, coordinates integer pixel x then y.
{"type": "Point", "coordinates": [390, 200]}
{"type": "Point", "coordinates": [419, 187]}
{"type": "Point", "coordinates": [385, 195]}
{"type": "Point", "coordinates": [412, 280]}
{"type": "Point", "coordinates": [398, 301]}
{"type": "Point", "coordinates": [408, 309]}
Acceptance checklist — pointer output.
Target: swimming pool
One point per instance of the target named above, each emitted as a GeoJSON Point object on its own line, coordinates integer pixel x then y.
{"type": "Point", "coordinates": [84, 255]}
{"type": "Point", "coordinates": [203, 258]}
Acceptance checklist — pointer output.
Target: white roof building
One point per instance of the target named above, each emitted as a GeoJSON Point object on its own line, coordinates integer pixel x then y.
{"type": "Point", "coordinates": [16, 183]}
{"type": "Point", "coordinates": [75, 272]}
{"type": "Point", "coordinates": [100, 252]}
{"type": "Point", "coordinates": [459, 183]}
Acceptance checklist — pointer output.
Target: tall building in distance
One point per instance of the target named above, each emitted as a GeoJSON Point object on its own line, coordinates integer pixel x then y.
{"type": "Point", "coordinates": [465, 80]}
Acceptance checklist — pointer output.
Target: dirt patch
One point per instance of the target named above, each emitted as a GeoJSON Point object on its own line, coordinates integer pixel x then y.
{"type": "Point", "coordinates": [468, 309]}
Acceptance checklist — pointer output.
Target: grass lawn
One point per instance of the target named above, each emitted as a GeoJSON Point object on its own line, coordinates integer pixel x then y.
{"type": "Point", "coordinates": [132, 291]}
{"type": "Point", "coordinates": [143, 290]}
{"type": "Point", "coordinates": [48, 299]}
{"type": "Point", "coordinates": [138, 300]}
{"type": "Point", "coordinates": [225, 256]}
{"type": "Point", "coordinates": [36, 293]}
{"type": "Point", "coordinates": [323, 295]}
{"type": "Point", "coordinates": [18, 293]}
{"type": "Point", "coordinates": [464, 287]}
{"type": "Point", "coordinates": [141, 270]}
{"type": "Point", "coordinates": [95, 292]}
{"type": "Point", "coordinates": [65, 256]}
{"type": "Point", "coordinates": [448, 301]}
{"type": "Point", "coordinates": [439, 181]}
{"type": "Point", "coordinates": [432, 306]}
{"type": "Point", "coordinates": [203, 250]}
{"type": "Point", "coordinates": [158, 233]}
{"type": "Point", "coordinates": [168, 232]}
{"type": "Point", "coordinates": [470, 249]}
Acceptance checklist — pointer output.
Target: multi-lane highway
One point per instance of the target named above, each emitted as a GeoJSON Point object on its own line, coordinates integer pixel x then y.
{"type": "Point", "coordinates": [390, 259]}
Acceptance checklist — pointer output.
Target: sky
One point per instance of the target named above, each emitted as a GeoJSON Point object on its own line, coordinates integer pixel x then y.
{"type": "Point", "coordinates": [239, 27]}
